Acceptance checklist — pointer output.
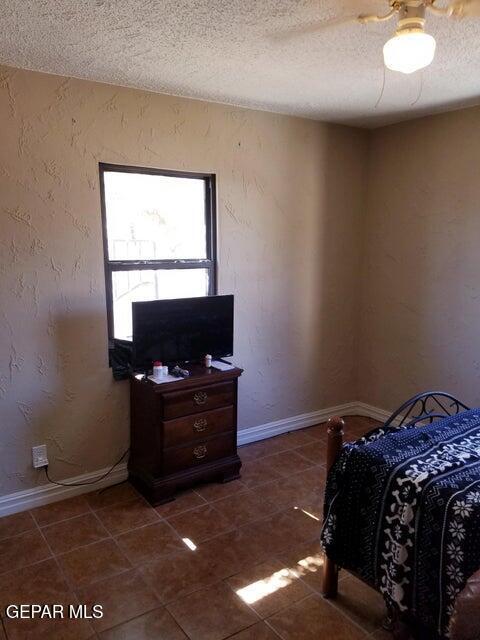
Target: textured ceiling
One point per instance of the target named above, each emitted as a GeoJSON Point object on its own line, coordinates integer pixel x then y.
{"type": "Point", "coordinates": [244, 52]}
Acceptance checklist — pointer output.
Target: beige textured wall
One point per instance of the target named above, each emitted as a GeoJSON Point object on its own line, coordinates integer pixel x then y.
{"type": "Point", "coordinates": [420, 314]}
{"type": "Point", "coordinates": [290, 203]}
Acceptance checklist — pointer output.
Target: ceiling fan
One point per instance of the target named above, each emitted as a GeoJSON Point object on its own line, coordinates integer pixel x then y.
{"type": "Point", "coordinates": [410, 48]}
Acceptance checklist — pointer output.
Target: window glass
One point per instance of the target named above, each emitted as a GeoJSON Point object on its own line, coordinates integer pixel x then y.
{"type": "Point", "coordinates": [141, 285]}
{"type": "Point", "coordinates": [154, 217]}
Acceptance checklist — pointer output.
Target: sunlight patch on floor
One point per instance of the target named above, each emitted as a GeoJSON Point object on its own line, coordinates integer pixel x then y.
{"type": "Point", "coordinates": [280, 579]}
{"type": "Point", "coordinates": [307, 513]}
{"type": "Point", "coordinates": [309, 564]}
{"type": "Point", "coordinates": [189, 543]}
{"type": "Point", "coordinates": [262, 588]}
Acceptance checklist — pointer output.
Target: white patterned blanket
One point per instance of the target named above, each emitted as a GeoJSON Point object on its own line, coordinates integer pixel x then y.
{"type": "Point", "coordinates": [402, 510]}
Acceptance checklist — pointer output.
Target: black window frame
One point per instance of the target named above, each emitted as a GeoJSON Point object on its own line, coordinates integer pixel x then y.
{"type": "Point", "coordinates": [209, 263]}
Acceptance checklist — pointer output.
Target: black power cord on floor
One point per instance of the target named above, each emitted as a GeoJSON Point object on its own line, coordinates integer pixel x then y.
{"type": "Point", "coordinates": [82, 484]}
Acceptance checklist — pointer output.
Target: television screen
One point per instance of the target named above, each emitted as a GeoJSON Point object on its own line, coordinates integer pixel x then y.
{"type": "Point", "coordinates": [175, 331]}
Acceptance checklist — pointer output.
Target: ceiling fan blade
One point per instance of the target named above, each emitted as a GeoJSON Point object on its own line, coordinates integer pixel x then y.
{"type": "Point", "coordinates": [466, 8]}
{"type": "Point", "coordinates": [314, 27]}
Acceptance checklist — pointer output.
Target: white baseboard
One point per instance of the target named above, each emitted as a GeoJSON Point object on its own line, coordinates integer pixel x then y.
{"type": "Point", "coordinates": [46, 493]}
{"type": "Point", "coordinates": [370, 411]}
{"type": "Point", "coordinates": [277, 427]}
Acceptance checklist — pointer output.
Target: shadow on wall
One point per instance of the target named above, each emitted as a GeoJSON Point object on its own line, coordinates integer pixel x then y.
{"type": "Point", "coordinates": [303, 271]}
{"type": "Point", "coordinates": [421, 298]}
{"type": "Point", "coordinates": [335, 284]}
{"type": "Point", "coordinates": [85, 424]}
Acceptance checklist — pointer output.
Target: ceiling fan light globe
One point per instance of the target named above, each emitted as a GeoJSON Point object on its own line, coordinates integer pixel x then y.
{"type": "Point", "coordinates": [409, 51]}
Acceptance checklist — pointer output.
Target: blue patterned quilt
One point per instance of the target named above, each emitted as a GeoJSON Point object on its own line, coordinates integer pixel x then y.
{"type": "Point", "coordinates": [402, 511]}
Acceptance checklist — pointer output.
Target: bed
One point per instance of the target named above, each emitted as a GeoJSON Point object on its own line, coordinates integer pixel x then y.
{"type": "Point", "coordinates": [402, 513]}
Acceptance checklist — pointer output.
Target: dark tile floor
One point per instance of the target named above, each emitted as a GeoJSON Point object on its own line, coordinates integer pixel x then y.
{"type": "Point", "coordinates": [240, 560]}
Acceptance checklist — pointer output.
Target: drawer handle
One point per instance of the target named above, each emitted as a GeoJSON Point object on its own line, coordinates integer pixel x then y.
{"type": "Point", "coordinates": [200, 451]}
{"type": "Point", "coordinates": [200, 397]}
{"type": "Point", "coordinates": [200, 425]}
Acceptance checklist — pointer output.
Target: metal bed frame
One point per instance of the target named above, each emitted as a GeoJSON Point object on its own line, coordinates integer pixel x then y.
{"type": "Point", "coordinates": [421, 409]}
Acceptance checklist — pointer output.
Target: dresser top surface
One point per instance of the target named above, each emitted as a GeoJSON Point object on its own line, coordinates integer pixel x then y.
{"type": "Point", "coordinates": [199, 375]}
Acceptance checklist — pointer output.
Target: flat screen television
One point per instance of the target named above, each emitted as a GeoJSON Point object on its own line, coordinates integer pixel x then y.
{"type": "Point", "coordinates": [181, 330]}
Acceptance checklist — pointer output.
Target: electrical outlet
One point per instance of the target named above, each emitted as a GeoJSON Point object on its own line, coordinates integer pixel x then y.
{"type": "Point", "coordinates": [39, 456]}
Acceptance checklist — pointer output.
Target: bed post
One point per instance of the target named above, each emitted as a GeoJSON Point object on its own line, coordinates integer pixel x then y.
{"type": "Point", "coordinates": [335, 428]}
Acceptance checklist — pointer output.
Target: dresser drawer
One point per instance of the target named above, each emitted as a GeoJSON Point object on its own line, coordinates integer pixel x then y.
{"type": "Point", "coordinates": [181, 403]}
{"type": "Point", "coordinates": [199, 452]}
{"type": "Point", "coordinates": [197, 426]}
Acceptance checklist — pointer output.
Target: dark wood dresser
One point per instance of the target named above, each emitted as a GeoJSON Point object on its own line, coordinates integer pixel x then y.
{"type": "Point", "coordinates": [183, 432]}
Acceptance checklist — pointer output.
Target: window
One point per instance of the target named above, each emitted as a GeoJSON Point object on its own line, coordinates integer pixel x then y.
{"type": "Point", "coordinates": [159, 238]}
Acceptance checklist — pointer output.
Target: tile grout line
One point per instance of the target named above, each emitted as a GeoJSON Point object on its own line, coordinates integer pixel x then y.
{"type": "Point", "coordinates": [137, 570]}
{"type": "Point", "coordinates": [252, 609]}
{"type": "Point", "coordinates": [138, 495]}
{"type": "Point", "coordinates": [119, 624]}
{"type": "Point", "coordinates": [269, 624]}
{"type": "Point", "coordinates": [351, 619]}
{"type": "Point", "coordinates": [90, 509]}
{"type": "Point", "coordinates": [75, 589]}
{"type": "Point", "coordinates": [64, 575]}
{"type": "Point", "coordinates": [124, 555]}
{"type": "Point", "coordinates": [234, 495]}
{"type": "Point", "coordinates": [275, 631]}
{"type": "Point", "coordinates": [221, 581]}
{"type": "Point", "coordinates": [313, 592]}
{"type": "Point", "coordinates": [331, 602]}
{"type": "Point", "coordinates": [336, 607]}
{"type": "Point", "coordinates": [232, 635]}
{"type": "Point", "coordinates": [61, 520]}
{"type": "Point", "coordinates": [217, 581]}
{"type": "Point", "coordinates": [284, 508]}
{"type": "Point", "coordinates": [266, 619]}
{"type": "Point", "coordinates": [178, 622]}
